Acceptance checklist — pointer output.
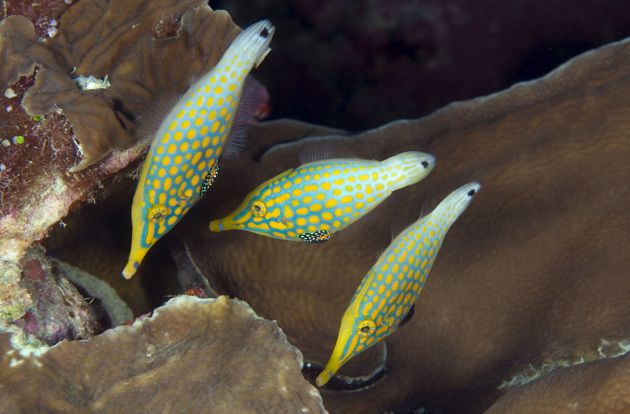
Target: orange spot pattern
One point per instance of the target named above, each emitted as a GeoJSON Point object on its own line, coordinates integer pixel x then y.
{"type": "Point", "coordinates": [324, 196]}
{"type": "Point", "coordinates": [186, 148]}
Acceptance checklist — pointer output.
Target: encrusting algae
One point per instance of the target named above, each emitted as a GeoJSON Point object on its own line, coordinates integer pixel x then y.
{"type": "Point", "coordinates": [320, 198]}
{"type": "Point", "coordinates": [183, 159]}
{"type": "Point", "coordinates": [385, 297]}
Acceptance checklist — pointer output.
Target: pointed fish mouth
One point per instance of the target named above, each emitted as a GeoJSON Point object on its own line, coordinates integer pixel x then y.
{"type": "Point", "coordinates": [130, 269]}
{"type": "Point", "coordinates": [216, 225]}
{"type": "Point", "coordinates": [334, 364]}
{"type": "Point", "coordinates": [226, 223]}
{"type": "Point", "coordinates": [338, 357]}
{"type": "Point", "coordinates": [135, 258]}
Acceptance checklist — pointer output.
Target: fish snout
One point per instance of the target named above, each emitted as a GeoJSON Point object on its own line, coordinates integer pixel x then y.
{"type": "Point", "coordinates": [216, 225]}
{"type": "Point", "coordinates": [130, 269]}
{"type": "Point", "coordinates": [231, 222]}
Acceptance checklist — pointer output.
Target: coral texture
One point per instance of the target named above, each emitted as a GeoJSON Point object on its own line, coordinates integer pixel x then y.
{"type": "Point", "coordinates": [194, 355]}
{"type": "Point", "coordinates": [534, 272]}
{"type": "Point", "coordinates": [139, 45]}
{"type": "Point", "coordinates": [601, 387]}
{"type": "Point", "coordinates": [57, 310]}
{"type": "Point", "coordinates": [533, 276]}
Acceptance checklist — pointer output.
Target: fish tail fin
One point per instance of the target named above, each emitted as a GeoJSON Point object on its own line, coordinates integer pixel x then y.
{"type": "Point", "coordinates": [413, 165]}
{"type": "Point", "coordinates": [252, 44]}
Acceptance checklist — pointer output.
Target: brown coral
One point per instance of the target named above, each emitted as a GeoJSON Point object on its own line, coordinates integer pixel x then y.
{"type": "Point", "coordinates": [533, 274]}
{"type": "Point", "coordinates": [601, 387]}
{"type": "Point", "coordinates": [58, 311]}
{"type": "Point", "coordinates": [194, 355]}
{"type": "Point", "coordinates": [535, 271]}
{"type": "Point", "coordinates": [139, 45]}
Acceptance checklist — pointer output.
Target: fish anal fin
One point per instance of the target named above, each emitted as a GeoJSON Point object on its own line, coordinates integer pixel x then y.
{"type": "Point", "coordinates": [253, 106]}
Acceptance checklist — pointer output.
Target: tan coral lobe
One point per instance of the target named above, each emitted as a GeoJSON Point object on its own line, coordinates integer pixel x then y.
{"type": "Point", "coordinates": [603, 388]}
{"type": "Point", "coordinates": [207, 355]}
{"type": "Point", "coordinates": [139, 45]}
{"type": "Point", "coordinates": [536, 270]}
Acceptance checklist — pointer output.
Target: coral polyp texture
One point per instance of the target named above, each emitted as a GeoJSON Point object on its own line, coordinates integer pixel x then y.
{"type": "Point", "coordinates": [601, 387]}
{"type": "Point", "coordinates": [193, 355]}
{"type": "Point", "coordinates": [526, 309]}
{"type": "Point", "coordinates": [535, 273]}
{"type": "Point", "coordinates": [80, 98]}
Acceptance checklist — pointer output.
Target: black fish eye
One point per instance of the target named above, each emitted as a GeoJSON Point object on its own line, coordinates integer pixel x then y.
{"type": "Point", "coordinates": [258, 208]}
{"type": "Point", "coordinates": [471, 193]}
{"type": "Point", "coordinates": [425, 164]}
{"type": "Point", "coordinates": [366, 327]}
{"type": "Point", "coordinates": [264, 33]}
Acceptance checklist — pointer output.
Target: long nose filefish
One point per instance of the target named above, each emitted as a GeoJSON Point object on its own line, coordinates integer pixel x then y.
{"type": "Point", "coordinates": [319, 198]}
{"type": "Point", "coordinates": [387, 294]}
{"type": "Point", "coordinates": [182, 160]}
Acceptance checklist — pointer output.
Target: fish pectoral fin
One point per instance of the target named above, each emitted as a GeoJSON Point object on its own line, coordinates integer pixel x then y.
{"type": "Point", "coordinates": [408, 316]}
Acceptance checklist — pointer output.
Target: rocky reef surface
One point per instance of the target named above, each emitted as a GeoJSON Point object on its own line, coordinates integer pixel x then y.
{"type": "Point", "coordinates": [192, 355]}
{"type": "Point", "coordinates": [525, 310]}
{"type": "Point", "coordinates": [533, 277]}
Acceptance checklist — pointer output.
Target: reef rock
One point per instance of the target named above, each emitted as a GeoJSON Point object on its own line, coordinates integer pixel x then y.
{"type": "Point", "coordinates": [57, 309]}
{"type": "Point", "coordinates": [535, 272]}
{"type": "Point", "coordinates": [601, 387]}
{"type": "Point", "coordinates": [194, 355]}
{"type": "Point", "coordinates": [101, 67]}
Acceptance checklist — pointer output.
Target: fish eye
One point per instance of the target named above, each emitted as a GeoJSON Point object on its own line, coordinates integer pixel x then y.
{"type": "Point", "coordinates": [471, 193]}
{"type": "Point", "coordinates": [157, 213]}
{"type": "Point", "coordinates": [366, 327]}
{"type": "Point", "coordinates": [264, 33]}
{"type": "Point", "coordinates": [259, 209]}
{"type": "Point", "coordinates": [425, 164]}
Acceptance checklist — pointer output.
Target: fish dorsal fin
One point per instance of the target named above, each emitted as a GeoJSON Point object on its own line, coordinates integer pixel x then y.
{"type": "Point", "coordinates": [408, 316]}
{"type": "Point", "coordinates": [325, 150]}
{"type": "Point", "coordinates": [150, 120]}
{"type": "Point", "coordinates": [251, 108]}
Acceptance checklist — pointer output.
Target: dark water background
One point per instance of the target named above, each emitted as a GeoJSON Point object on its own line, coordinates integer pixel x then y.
{"type": "Point", "coordinates": [359, 64]}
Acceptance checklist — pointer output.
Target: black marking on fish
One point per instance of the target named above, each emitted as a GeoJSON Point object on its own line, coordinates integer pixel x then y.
{"type": "Point", "coordinates": [209, 179]}
{"type": "Point", "coordinates": [319, 236]}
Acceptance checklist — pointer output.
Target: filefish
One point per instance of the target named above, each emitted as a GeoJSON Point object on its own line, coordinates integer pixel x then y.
{"type": "Point", "coordinates": [390, 289]}
{"type": "Point", "coordinates": [182, 161]}
{"type": "Point", "coordinates": [320, 198]}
